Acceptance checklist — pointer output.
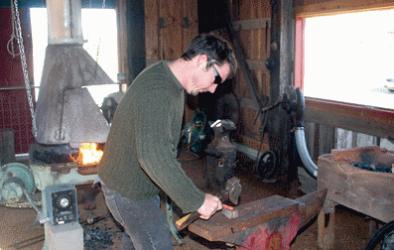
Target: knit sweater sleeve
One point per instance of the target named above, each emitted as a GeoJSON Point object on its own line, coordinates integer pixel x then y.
{"type": "Point", "coordinates": [157, 146]}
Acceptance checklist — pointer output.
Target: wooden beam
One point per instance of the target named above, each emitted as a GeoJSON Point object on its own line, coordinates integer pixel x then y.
{"type": "Point", "coordinates": [258, 23]}
{"type": "Point", "coordinates": [338, 6]}
{"type": "Point", "coordinates": [136, 35]}
{"type": "Point", "coordinates": [121, 9]}
{"type": "Point", "coordinates": [281, 72]}
{"type": "Point", "coordinates": [256, 64]}
{"type": "Point", "coordinates": [151, 31]}
{"type": "Point", "coordinates": [364, 119]}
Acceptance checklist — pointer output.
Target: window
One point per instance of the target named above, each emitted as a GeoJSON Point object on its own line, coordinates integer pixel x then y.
{"type": "Point", "coordinates": [350, 58]}
{"type": "Point", "coordinates": [99, 29]}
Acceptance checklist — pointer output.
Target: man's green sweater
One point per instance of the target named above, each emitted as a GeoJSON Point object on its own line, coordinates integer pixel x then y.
{"type": "Point", "coordinates": [140, 153]}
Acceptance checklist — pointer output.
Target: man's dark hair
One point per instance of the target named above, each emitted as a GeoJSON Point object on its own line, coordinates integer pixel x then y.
{"type": "Point", "coordinates": [217, 50]}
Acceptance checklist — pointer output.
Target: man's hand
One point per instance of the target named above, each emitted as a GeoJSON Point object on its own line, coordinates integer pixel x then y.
{"type": "Point", "coordinates": [209, 207]}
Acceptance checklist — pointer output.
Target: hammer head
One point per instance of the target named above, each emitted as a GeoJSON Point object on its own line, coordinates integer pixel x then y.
{"type": "Point", "coordinates": [233, 190]}
{"type": "Point", "coordinates": [230, 212]}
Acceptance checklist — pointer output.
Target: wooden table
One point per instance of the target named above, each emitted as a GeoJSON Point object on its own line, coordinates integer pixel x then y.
{"type": "Point", "coordinates": [368, 192]}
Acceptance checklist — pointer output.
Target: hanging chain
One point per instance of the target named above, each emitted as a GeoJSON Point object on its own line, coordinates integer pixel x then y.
{"type": "Point", "coordinates": [10, 43]}
{"type": "Point", "coordinates": [22, 55]}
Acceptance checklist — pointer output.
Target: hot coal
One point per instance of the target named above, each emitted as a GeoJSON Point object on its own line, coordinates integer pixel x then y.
{"type": "Point", "coordinates": [47, 154]}
{"type": "Point", "coordinates": [373, 167]}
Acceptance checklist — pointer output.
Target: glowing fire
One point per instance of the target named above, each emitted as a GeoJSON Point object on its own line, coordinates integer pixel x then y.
{"type": "Point", "coordinates": [89, 154]}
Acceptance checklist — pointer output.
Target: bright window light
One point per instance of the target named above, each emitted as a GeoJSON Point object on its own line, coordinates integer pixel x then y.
{"type": "Point", "coordinates": [100, 32]}
{"type": "Point", "coordinates": [350, 58]}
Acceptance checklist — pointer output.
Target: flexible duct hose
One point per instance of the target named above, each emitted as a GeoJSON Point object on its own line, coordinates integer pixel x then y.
{"type": "Point", "coordinates": [303, 152]}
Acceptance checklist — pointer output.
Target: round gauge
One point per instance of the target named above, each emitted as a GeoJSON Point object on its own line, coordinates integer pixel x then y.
{"type": "Point", "coordinates": [64, 202]}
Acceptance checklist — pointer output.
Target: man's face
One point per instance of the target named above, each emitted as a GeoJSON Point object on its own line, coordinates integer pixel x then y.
{"type": "Point", "coordinates": [207, 78]}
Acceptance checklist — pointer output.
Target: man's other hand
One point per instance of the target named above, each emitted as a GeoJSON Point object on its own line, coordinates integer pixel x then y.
{"type": "Point", "coordinates": [209, 207]}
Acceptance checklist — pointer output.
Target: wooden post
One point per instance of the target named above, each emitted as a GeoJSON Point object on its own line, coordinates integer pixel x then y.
{"type": "Point", "coordinates": [326, 226]}
{"type": "Point", "coordinates": [121, 13]}
{"type": "Point", "coordinates": [281, 72]}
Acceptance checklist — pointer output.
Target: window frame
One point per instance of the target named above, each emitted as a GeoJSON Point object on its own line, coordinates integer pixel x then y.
{"type": "Point", "coordinates": [366, 119]}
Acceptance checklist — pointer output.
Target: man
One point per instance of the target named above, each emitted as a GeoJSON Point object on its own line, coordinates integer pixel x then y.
{"type": "Point", "coordinates": [140, 154]}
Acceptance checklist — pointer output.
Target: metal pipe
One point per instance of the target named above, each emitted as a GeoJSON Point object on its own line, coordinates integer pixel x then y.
{"type": "Point", "coordinates": [249, 152]}
{"type": "Point", "coordinates": [64, 22]}
{"type": "Point", "coordinates": [303, 152]}
{"type": "Point", "coordinates": [17, 88]}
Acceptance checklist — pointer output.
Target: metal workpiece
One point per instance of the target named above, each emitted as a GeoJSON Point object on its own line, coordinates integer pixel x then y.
{"type": "Point", "coordinates": [261, 219]}
{"type": "Point", "coordinates": [230, 193]}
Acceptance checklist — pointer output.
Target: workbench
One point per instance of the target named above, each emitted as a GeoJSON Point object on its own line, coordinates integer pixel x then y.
{"type": "Point", "coordinates": [368, 192]}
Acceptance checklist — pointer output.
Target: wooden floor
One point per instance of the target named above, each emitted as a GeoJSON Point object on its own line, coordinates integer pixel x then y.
{"type": "Point", "coordinates": [20, 231]}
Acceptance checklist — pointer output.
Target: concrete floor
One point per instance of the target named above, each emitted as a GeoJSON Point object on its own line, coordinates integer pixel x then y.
{"type": "Point", "coordinates": [20, 231]}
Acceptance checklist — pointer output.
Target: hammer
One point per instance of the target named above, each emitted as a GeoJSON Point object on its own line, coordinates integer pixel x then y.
{"type": "Point", "coordinates": [231, 193]}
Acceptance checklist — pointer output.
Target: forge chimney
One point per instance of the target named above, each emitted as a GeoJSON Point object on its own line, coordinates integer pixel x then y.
{"type": "Point", "coordinates": [65, 111]}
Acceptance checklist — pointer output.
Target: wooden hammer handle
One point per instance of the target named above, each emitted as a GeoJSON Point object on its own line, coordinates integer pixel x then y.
{"type": "Point", "coordinates": [186, 220]}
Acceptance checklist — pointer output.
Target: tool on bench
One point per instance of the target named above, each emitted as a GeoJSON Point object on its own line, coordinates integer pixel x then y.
{"type": "Point", "coordinates": [231, 193]}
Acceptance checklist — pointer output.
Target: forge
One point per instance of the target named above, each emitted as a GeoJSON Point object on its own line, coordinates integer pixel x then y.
{"type": "Point", "coordinates": [71, 131]}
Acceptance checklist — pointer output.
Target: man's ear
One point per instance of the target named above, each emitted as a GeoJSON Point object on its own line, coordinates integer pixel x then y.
{"type": "Point", "coordinates": [202, 61]}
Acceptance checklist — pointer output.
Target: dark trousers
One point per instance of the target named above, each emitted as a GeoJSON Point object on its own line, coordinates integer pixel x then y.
{"type": "Point", "coordinates": [144, 223]}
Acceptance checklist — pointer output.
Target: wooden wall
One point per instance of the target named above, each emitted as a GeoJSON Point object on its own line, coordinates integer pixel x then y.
{"type": "Point", "coordinates": [170, 25]}
{"type": "Point", "coordinates": [252, 21]}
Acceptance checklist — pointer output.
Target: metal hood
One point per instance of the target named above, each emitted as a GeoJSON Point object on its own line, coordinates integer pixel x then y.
{"type": "Point", "coordinates": [65, 111]}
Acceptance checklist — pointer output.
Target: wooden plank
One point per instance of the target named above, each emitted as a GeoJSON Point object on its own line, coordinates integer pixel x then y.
{"type": "Point", "coordinates": [312, 136]}
{"type": "Point", "coordinates": [189, 22]}
{"type": "Point", "coordinates": [171, 29]}
{"type": "Point", "coordinates": [308, 9]}
{"type": "Point", "coordinates": [250, 121]}
{"type": "Point", "coordinates": [365, 119]}
{"type": "Point", "coordinates": [257, 23]}
{"type": "Point", "coordinates": [254, 142]}
{"type": "Point", "coordinates": [248, 103]}
{"type": "Point", "coordinates": [326, 230]}
{"type": "Point", "coordinates": [244, 10]}
{"type": "Point", "coordinates": [189, 26]}
{"type": "Point", "coordinates": [151, 30]}
{"type": "Point", "coordinates": [326, 139]}
{"type": "Point", "coordinates": [257, 64]}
